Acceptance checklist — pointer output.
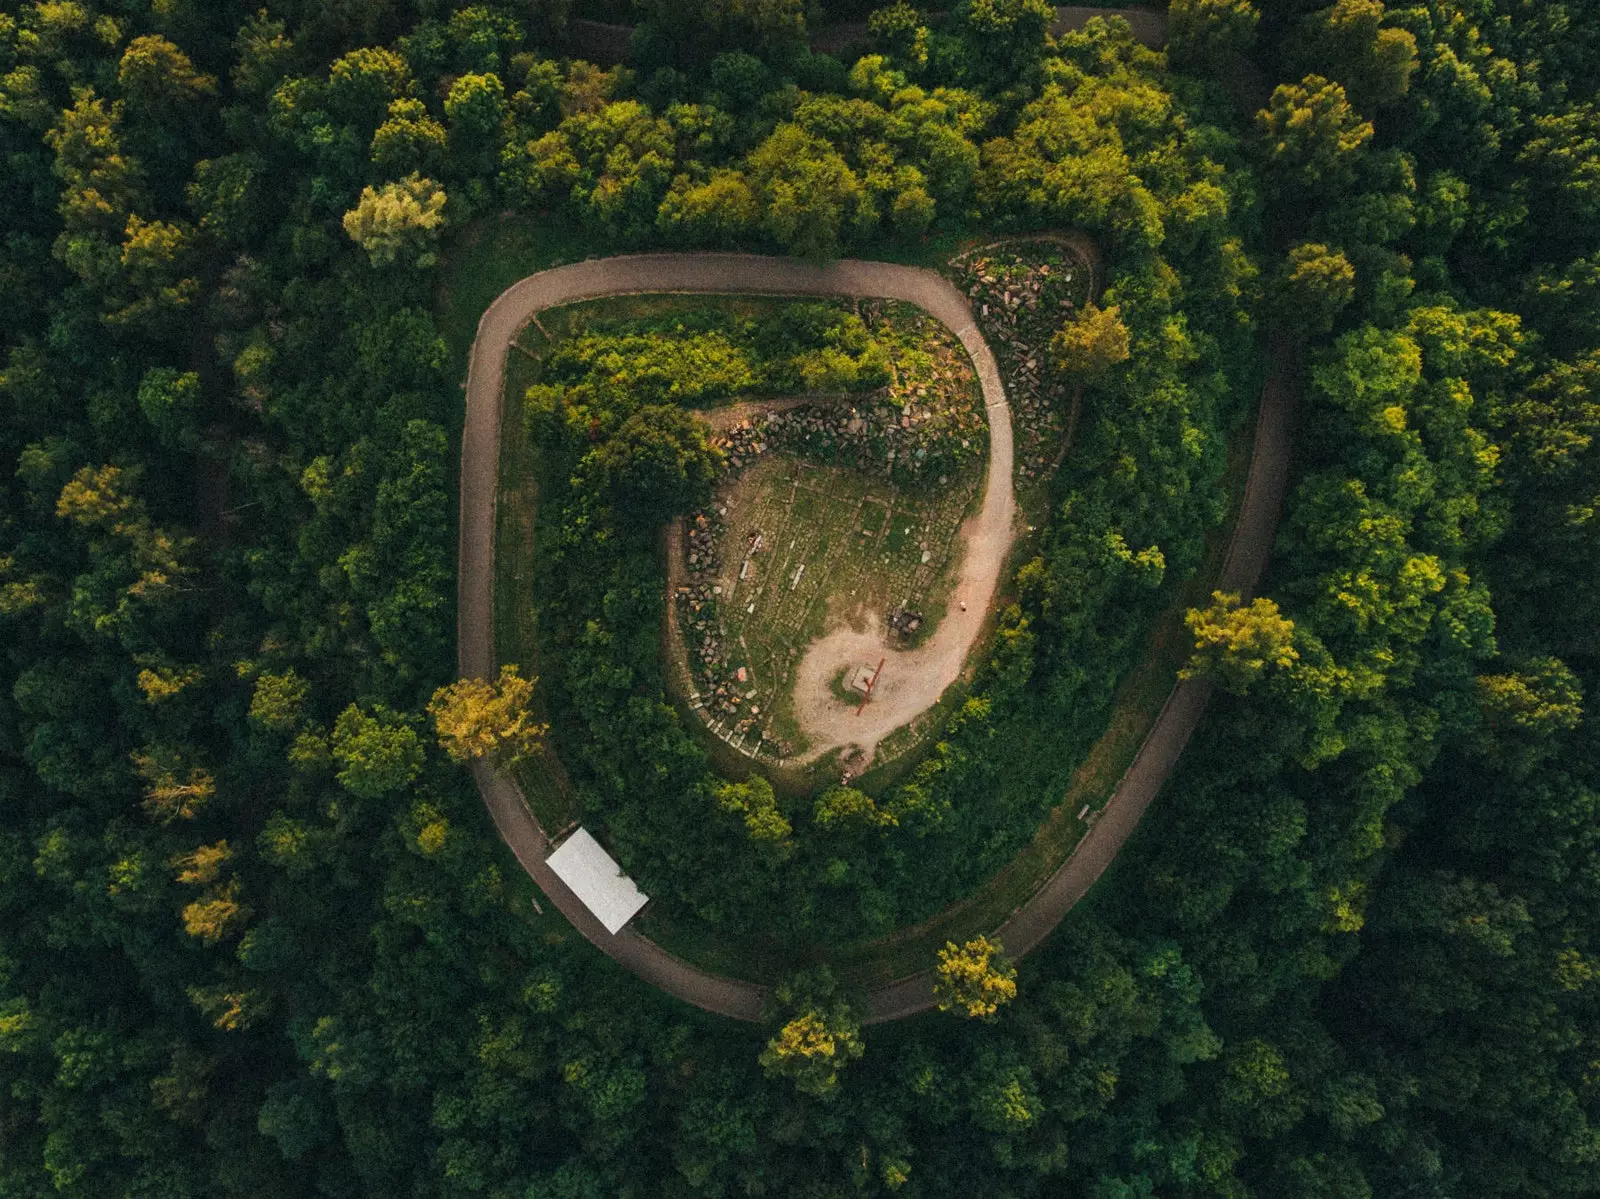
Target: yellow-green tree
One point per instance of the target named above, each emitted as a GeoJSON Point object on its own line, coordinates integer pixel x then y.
{"type": "Point", "coordinates": [1317, 283]}
{"type": "Point", "coordinates": [1542, 698]}
{"type": "Point", "coordinates": [975, 979]}
{"type": "Point", "coordinates": [1233, 643]}
{"type": "Point", "coordinates": [813, 1047]}
{"type": "Point", "coordinates": [475, 718]}
{"type": "Point", "coordinates": [278, 701]}
{"type": "Point", "coordinates": [1090, 344]}
{"type": "Point", "coordinates": [820, 1037]}
{"type": "Point", "coordinates": [754, 800]}
{"type": "Point", "coordinates": [398, 221]}
{"type": "Point", "coordinates": [846, 809]}
{"type": "Point", "coordinates": [1313, 136]}
{"type": "Point", "coordinates": [377, 753]}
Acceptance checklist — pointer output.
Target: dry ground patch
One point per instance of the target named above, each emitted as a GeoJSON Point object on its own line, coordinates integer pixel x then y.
{"type": "Point", "coordinates": [801, 549]}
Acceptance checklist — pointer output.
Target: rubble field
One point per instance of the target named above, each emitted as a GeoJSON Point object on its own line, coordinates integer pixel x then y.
{"type": "Point", "coordinates": [1021, 292]}
{"type": "Point", "coordinates": [830, 511]}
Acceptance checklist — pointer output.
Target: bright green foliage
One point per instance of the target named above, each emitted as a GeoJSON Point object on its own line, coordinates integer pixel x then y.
{"type": "Point", "coordinates": [1090, 343]}
{"type": "Point", "coordinates": [1542, 698]}
{"type": "Point", "coordinates": [1234, 645]}
{"type": "Point", "coordinates": [1313, 136]}
{"type": "Point", "coordinates": [720, 212]}
{"type": "Point", "coordinates": [476, 112]}
{"type": "Point", "coordinates": [409, 141]}
{"type": "Point", "coordinates": [1317, 283]}
{"type": "Point", "coordinates": [365, 84]}
{"type": "Point", "coordinates": [754, 802]}
{"type": "Point", "coordinates": [975, 980]}
{"type": "Point", "coordinates": [398, 222]}
{"type": "Point", "coordinates": [278, 701]}
{"type": "Point", "coordinates": [376, 753]}
{"type": "Point", "coordinates": [814, 202]}
{"type": "Point", "coordinates": [158, 81]}
{"type": "Point", "coordinates": [845, 809]}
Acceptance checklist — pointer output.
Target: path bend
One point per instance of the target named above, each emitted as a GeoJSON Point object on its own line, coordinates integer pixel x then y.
{"type": "Point", "coordinates": [755, 274]}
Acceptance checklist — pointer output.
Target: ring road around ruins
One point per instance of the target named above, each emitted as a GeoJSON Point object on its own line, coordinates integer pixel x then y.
{"type": "Point", "coordinates": [988, 545]}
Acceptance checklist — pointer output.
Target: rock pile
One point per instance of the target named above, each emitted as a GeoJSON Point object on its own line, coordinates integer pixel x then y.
{"type": "Point", "coordinates": [916, 440]}
{"type": "Point", "coordinates": [698, 617]}
{"type": "Point", "coordinates": [726, 688]}
{"type": "Point", "coordinates": [1021, 296]}
{"type": "Point", "coordinates": [904, 621]}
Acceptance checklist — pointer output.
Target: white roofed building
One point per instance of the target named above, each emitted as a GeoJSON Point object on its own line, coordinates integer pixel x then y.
{"type": "Point", "coordinates": [595, 878]}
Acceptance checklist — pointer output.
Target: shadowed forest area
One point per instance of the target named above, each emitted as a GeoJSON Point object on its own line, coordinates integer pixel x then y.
{"type": "Point", "coordinates": [258, 936]}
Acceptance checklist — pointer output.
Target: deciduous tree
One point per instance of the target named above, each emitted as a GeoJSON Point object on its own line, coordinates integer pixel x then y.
{"type": "Point", "coordinates": [975, 979]}
{"type": "Point", "coordinates": [377, 753]}
{"type": "Point", "coordinates": [476, 718]}
{"type": "Point", "coordinates": [1210, 35]}
{"type": "Point", "coordinates": [1235, 644]}
{"type": "Point", "coordinates": [1313, 136]}
{"type": "Point", "coordinates": [398, 221]}
{"type": "Point", "coordinates": [753, 800]}
{"type": "Point", "coordinates": [1090, 343]}
{"type": "Point", "coordinates": [1316, 284]}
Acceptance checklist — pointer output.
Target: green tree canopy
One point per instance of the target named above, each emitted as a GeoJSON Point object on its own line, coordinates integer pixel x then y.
{"type": "Point", "coordinates": [1316, 284]}
{"type": "Point", "coordinates": [1313, 137]}
{"type": "Point", "coordinates": [377, 753]}
{"type": "Point", "coordinates": [1090, 343]}
{"type": "Point", "coordinates": [398, 222]}
{"type": "Point", "coordinates": [1234, 644]}
{"type": "Point", "coordinates": [1210, 35]}
{"type": "Point", "coordinates": [658, 464]}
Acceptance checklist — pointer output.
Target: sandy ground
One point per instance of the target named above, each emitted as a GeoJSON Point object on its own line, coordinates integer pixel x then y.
{"type": "Point", "coordinates": [913, 680]}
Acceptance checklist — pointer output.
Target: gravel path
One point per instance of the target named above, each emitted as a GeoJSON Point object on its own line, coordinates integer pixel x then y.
{"type": "Point", "coordinates": [755, 274]}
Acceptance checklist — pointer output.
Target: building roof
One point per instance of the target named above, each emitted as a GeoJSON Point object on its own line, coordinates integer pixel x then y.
{"type": "Point", "coordinates": [597, 880]}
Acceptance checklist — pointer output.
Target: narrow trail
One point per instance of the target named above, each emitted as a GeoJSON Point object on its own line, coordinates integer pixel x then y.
{"type": "Point", "coordinates": [754, 274]}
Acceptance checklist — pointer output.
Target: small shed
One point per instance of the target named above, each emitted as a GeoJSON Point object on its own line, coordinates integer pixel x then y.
{"type": "Point", "coordinates": [597, 880]}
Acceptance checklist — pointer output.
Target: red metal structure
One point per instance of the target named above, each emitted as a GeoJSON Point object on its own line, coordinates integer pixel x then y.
{"type": "Point", "coordinates": [867, 694]}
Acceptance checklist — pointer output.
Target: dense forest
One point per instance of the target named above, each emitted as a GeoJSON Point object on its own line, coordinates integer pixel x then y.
{"type": "Point", "coordinates": [259, 936]}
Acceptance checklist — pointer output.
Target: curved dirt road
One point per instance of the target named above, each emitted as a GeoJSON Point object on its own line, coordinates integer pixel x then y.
{"type": "Point", "coordinates": [912, 680]}
{"type": "Point", "coordinates": [749, 273]}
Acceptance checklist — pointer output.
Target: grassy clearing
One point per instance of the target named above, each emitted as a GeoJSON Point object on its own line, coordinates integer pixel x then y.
{"type": "Point", "coordinates": [515, 619]}
{"type": "Point", "coordinates": [805, 549]}
{"type": "Point", "coordinates": [490, 255]}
